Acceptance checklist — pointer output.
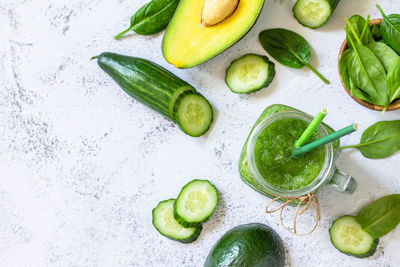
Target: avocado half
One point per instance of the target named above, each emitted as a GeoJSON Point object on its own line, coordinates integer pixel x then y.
{"type": "Point", "coordinates": [248, 245]}
{"type": "Point", "coordinates": [187, 43]}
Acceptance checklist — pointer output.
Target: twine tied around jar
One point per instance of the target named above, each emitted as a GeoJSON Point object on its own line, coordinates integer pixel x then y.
{"type": "Point", "coordinates": [308, 199]}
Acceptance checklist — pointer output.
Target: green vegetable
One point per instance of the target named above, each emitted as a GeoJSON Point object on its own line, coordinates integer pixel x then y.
{"type": "Point", "coordinates": [249, 73]}
{"type": "Point", "coordinates": [160, 90]}
{"type": "Point", "coordinates": [368, 74]}
{"type": "Point", "coordinates": [393, 80]}
{"type": "Point", "coordinates": [196, 203]}
{"type": "Point", "coordinates": [348, 237]}
{"type": "Point", "coordinates": [314, 13]}
{"type": "Point", "coordinates": [344, 73]}
{"type": "Point", "coordinates": [359, 236]}
{"type": "Point", "coordinates": [247, 245]}
{"type": "Point", "coordinates": [381, 216]}
{"type": "Point", "coordinates": [380, 140]}
{"type": "Point", "coordinates": [390, 29]}
{"type": "Point", "coordinates": [358, 93]}
{"type": "Point", "coordinates": [384, 53]}
{"type": "Point", "coordinates": [357, 31]}
{"type": "Point", "coordinates": [288, 48]}
{"type": "Point", "coordinates": [164, 222]}
{"type": "Point", "coordinates": [343, 69]}
{"type": "Point", "coordinates": [152, 18]}
{"type": "Point", "coordinates": [376, 32]}
{"type": "Point", "coordinates": [365, 65]}
{"type": "Point", "coordinates": [194, 114]}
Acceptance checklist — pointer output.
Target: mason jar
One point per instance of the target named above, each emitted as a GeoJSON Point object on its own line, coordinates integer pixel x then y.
{"type": "Point", "coordinates": [329, 174]}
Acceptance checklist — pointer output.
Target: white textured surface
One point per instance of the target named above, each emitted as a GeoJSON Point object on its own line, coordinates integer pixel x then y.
{"type": "Point", "coordinates": [82, 165]}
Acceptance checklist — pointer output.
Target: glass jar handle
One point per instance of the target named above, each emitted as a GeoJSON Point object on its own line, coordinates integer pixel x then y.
{"type": "Point", "coordinates": [343, 182]}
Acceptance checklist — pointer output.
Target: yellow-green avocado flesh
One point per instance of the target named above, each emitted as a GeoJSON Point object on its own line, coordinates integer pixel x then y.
{"type": "Point", "coordinates": [187, 43]}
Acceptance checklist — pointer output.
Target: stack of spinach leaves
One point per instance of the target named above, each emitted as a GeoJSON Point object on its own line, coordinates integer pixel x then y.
{"type": "Point", "coordinates": [370, 67]}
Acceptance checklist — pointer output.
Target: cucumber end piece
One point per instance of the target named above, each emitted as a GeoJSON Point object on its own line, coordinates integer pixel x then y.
{"type": "Point", "coordinates": [348, 237]}
{"type": "Point", "coordinates": [312, 13]}
{"type": "Point", "coordinates": [194, 114]}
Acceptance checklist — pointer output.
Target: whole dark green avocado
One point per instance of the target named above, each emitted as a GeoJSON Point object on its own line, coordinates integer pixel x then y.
{"type": "Point", "coordinates": [248, 245]}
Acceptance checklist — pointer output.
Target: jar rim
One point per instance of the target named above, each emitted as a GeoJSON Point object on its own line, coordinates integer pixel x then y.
{"type": "Point", "coordinates": [278, 192]}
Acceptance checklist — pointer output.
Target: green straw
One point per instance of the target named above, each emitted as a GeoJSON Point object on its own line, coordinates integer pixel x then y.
{"type": "Point", "coordinates": [311, 128]}
{"type": "Point", "coordinates": [324, 140]}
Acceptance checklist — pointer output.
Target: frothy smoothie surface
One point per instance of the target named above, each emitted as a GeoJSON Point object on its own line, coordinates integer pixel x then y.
{"type": "Point", "coordinates": [273, 158]}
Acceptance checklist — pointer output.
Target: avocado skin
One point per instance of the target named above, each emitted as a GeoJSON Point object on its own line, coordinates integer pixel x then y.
{"type": "Point", "coordinates": [248, 245]}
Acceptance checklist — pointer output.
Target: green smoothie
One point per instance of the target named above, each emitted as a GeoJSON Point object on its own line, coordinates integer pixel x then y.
{"type": "Point", "coordinates": [244, 169]}
{"type": "Point", "coordinates": [272, 155]}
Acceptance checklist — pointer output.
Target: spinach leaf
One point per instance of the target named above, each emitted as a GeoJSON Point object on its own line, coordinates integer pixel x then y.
{"type": "Point", "coordinates": [381, 216]}
{"type": "Point", "coordinates": [390, 29]}
{"type": "Point", "coordinates": [357, 29]}
{"type": "Point", "coordinates": [376, 32]}
{"type": "Point", "coordinates": [358, 93]}
{"type": "Point", "coordinates": [367, 78]}
{"type": "Point", "coordinates": [152, 18]}
{"type": "Point", "coordinates": [368, 74]}
{"type": "Point", "coordinates": [288, 48]}
{"type": "Point", "coordinates": [393, 80]}
{"type": "Point", "coordinates": [380, 140]}
{"type": "Point", "coordinates": [384, 53]}
{"type": "Point", "coordinates": [344, 73]}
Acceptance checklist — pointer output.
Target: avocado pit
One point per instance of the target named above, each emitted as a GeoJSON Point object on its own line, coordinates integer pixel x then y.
{"type": "Point", "coordinates": [216, 11]}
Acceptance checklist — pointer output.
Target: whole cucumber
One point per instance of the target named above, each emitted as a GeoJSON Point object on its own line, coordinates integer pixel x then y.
{"type": "Point", "coordinates": [158, 89]}
{"type": "Point", "coordinates": [145, 81]}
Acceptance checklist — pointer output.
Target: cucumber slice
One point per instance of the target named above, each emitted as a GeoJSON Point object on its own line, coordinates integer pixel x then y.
{"type": "Point", "coordinates": [196, 203]}
{"type": "Point", "coordinates": [249, 73]}
{"type": "Point", "coordinates": [164, 222]}
{"type": "Point", "coordinates": [349, 238]}
{"type": "Point", "coordinates": [194, 114]}
{"type": "Point", "coordinates": [314, 13]}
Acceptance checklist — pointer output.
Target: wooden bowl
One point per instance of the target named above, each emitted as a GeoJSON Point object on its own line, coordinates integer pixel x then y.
{"type": "Point", "coordinates": [393, 106]}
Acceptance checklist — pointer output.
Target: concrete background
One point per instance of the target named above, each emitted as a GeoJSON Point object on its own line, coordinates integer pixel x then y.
{"type": "Point", "coordinates": [82, 165]}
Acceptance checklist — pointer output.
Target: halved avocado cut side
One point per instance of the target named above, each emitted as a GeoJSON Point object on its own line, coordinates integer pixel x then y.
{"type": "Point", "coordinates": [187, 43]}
